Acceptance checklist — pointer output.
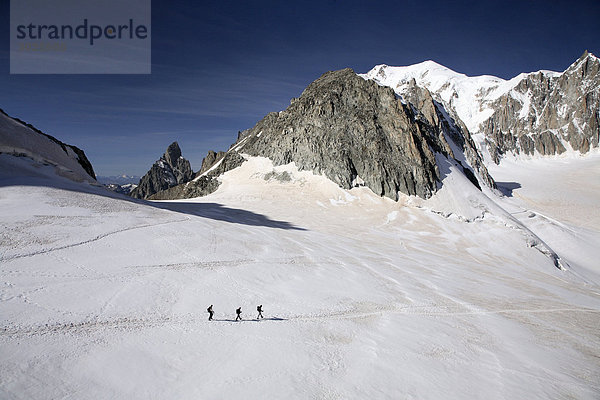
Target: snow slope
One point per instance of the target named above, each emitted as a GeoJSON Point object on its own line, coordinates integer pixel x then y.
{"type": "Point", "coordinates": [21, 140]}
{"type": "Point", "coordinates": [102, 297]}
{"type": "Point", "coordinates": [558, 199]}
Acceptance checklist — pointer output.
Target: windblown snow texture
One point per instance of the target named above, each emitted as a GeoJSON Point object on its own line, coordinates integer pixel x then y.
{"type": "Point", "coordinates": [450, 297]}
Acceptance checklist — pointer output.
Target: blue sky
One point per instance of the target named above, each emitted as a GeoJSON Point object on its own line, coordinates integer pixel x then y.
{"type": "Point", "coordinates": [218, 67]}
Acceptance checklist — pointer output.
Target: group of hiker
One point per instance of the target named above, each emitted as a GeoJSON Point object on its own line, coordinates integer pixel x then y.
{"type": "Point", "coordinates": [238, 312]}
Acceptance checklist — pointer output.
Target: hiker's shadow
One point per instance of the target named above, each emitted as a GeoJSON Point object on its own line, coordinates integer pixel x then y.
{"type": "Point", "coordinates": [249, 320]}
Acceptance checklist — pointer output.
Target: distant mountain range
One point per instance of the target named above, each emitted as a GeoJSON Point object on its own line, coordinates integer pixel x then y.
{"type": "Point", "coordinates": [118, 179]}
{"type": "Point", "coordinates": [396, 130]}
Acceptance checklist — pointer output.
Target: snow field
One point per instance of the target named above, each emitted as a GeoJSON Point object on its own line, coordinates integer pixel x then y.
{"type": "Point", "coordinates": [104, 297]}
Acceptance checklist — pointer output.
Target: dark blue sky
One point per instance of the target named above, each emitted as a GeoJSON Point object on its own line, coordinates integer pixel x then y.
{"type": "Point", "coordinates": [220, 66]}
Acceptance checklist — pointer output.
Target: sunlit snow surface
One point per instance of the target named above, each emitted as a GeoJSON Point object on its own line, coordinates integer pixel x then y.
{"type": "Point", "coordinates": [104, 298]}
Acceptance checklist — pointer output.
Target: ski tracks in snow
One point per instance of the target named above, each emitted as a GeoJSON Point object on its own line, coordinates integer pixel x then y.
{"type": "Point", "coordinates": [88, 241]}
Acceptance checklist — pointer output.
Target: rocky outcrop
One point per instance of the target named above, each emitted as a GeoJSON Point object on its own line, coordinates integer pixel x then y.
{"type": "Point", "coordinates": [546, 112]}
{"type": "Point", "coordinates": [447, 125]}
{"type": "Point", "coordinates": [170, 170]}
{"type": "Point", "coordinates": [211, 159]}
{"type": "Point", "coordinates": [206, 183]}
{"type": "Point", "coordinates": [82, 159]}
{"type": "Point", "coordinates": [201, 186]}
{"type": "Point", "coordinates": [346, 128]}
{"type": "Point", "coordinates": [352, 130]}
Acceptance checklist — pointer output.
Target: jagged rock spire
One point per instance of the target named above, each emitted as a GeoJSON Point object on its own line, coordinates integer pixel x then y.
{"type": "Point", "coordinates": [168, 171]}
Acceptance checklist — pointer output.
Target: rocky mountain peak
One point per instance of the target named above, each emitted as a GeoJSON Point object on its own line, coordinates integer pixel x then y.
{"type": "Point", "coordinates": [536, 114]}
{"type": "Point", "coordinates": [548, 113]}
{"type": "Point", "coordinates": [346, 128]}
{"type": "Point", "coordinates": [172, 154]}
{"type": "Point", "coordinates": [210, 160]}
{"type": "Point", "coordinates": [586, 66]}
{"type": "Point", "coordinates": [171, 169]}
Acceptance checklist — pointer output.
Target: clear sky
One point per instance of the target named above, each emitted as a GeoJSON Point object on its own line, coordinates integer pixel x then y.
{"type": "Point", "coordinates": [219, 66]}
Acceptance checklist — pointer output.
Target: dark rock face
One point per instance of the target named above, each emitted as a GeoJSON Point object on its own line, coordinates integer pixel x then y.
{"type": "Point", "coordinates": [180, 166]}
{"type": "Point", "coordinates": [170, 170]}
{"type": "Point", "coordinates": [561, 109]}
{"type": "Point", "coordinates": [451, 131]}
{"type": "Point", "coordinates": [229, 161]}
{"type": "Point", "coordinates": [346, 127]}
{"type": "Point", "coordinates": [83, 160]}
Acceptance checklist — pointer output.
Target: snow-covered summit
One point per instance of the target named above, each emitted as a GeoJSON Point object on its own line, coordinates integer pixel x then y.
{"type": "Point", "coordinates": [467, 95]}
{"type": "Point", "coordinates": [541, 112]}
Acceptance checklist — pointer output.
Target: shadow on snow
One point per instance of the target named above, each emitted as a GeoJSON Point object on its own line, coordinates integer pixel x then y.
{"type": "Point", "coordinates": [205, 210]}
{"type": "Point", "coordinates": [507, 187]}
{"type": "Point", "coordinates": [222, 213]}
{"type": "Point", "coordinates": [249, 320]}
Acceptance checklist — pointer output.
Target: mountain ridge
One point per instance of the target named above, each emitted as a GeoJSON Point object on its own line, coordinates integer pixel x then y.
{"type": "Point", "coordinates": [350, 130]}
{"type": "Point", "coordinates": [543, 112]}
{"type": "Point", "coordinates": [389, 140]}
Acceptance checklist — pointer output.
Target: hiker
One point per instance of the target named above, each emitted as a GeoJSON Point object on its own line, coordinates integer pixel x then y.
{"type": "Point", "coordinates": [239, 314]}
{"type": "Point", "coordinates": [210, 312]}
{"type": "Point", "coordinates": [259, 309]}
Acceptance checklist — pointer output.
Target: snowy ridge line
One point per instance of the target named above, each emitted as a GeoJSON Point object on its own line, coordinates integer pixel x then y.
{"type": "Point", "coordinates": [128, 324]}
{"type": "Point", "coordinates": [99, 237]}
{"type": "Point", "coordinates": [473, 98]}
